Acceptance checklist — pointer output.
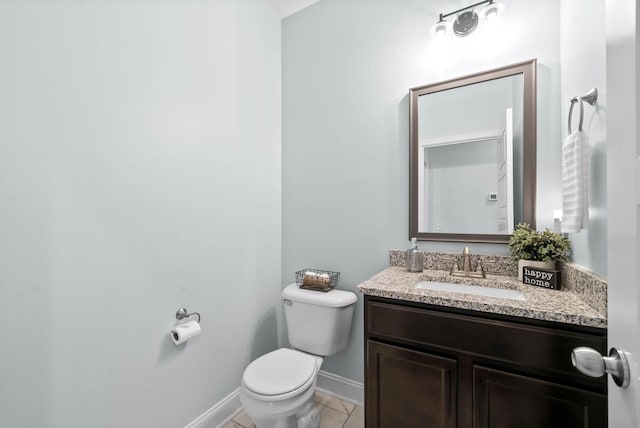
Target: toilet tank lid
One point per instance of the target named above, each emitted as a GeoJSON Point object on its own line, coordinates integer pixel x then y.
{"type": "Point", "coordinates": [333, 298]}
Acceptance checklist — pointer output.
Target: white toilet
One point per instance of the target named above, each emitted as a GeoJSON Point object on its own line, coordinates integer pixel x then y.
{"type": "Point", "coordinates": [278, 388]}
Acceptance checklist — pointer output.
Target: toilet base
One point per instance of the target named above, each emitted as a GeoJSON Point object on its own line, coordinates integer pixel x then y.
{"type": "Point", "coordinates": [301, 412]}
{"type": "Point", "coordinates": [309, 417]}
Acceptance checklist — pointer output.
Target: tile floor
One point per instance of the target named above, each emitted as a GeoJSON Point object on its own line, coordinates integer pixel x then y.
{"type": "Point", "coordinates": [334, 413]}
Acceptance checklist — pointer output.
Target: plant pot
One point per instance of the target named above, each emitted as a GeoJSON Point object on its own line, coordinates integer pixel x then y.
{"type": "Point", "coordinates": [535, 264]}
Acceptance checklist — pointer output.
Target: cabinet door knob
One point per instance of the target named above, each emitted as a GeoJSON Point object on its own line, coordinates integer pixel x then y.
{"type": "Point", "coordinates": [590, 362]}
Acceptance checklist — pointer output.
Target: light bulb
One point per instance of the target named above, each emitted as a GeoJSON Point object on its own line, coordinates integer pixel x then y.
{"type": "Point", "coordinates": [440, 29]}
{"type": "Point", "coordinates": [492, 11]}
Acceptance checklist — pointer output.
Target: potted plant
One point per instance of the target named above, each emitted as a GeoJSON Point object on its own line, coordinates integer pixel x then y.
{"type": "Point", "coordinates": [538, 249]}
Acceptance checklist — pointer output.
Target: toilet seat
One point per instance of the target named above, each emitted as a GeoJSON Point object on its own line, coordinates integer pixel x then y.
{"type": "Point", "coordinates": [280, 374]}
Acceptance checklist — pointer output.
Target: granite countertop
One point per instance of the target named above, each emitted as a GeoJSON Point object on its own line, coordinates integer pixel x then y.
{"type": "Point", "coordinates": [561, 306]}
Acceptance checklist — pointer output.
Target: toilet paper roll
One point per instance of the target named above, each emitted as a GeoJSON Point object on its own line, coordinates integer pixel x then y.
{"type": "Point", "coordinates": [317, 280]}
{"type": "Point", "coordinates": [183, 332]}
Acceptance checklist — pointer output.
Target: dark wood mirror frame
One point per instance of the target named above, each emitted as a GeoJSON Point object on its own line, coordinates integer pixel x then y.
{"type": "Point", "coordinates": [528, 71]}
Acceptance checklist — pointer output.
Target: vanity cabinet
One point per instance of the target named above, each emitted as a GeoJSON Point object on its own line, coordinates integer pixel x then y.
{"type": "Point", "coordinates": [432, 366]}
{"type": "Point", "coordinates": [410, 388]}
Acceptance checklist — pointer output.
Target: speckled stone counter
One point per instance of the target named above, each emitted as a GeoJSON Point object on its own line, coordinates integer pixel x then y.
{"type": "Point", "coordinates": [562, 306]}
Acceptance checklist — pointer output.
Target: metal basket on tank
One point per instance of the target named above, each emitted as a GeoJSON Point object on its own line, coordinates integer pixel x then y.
{"type": "Point", "coordinates": [317, 279]}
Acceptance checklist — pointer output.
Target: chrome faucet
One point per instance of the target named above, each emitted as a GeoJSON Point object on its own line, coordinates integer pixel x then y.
{"type": "Point", "coordinates": [477, 272]}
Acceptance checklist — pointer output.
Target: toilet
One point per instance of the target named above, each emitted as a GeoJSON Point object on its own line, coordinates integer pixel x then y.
{"type": "Point", "coordinates": [278, 388]}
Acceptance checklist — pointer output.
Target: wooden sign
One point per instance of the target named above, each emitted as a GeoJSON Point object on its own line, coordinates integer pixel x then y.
{"type": "Point", "coordinates": [541, 277]}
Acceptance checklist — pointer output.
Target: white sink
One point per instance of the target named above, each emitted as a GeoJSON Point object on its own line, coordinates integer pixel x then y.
{"type": "Point", "coordinates": [501, 293]}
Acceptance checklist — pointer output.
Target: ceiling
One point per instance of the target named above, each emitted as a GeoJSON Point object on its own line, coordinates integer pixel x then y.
{"type": "Point", "coordinates": [285, 8]}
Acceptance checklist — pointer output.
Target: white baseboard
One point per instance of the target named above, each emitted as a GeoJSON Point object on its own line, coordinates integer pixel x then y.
{"type": "Point", "coordinates": [341, 387]}
{"type": "Point", "coordinates": [220, 413]}
{"type": "Point", "coordinates": [225, 410]}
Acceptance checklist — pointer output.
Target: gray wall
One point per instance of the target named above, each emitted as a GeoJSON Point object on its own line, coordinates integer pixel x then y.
{"type": "Point", "coordinates": [139, 172]}
{"type": "Point", "coordinates": [347, 69]}
{"type": "Point", "coordinates": [583, 38]}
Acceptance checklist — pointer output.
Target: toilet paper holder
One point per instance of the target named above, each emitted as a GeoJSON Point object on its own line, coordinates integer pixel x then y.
{"type": "Point", "coordinates": [183, 313]}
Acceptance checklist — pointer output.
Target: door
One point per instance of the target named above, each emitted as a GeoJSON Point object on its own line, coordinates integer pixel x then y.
{"type": "Point", "coordinates": [507, 400]}
{"type": "Point", "coordinates": [623, 197]}
{"type": "Point", "coordinates": [623, 211]}
{"type": "Point", "coordinates": [505, 176]}
{"type": "Point", "coordinates": [409, 388]}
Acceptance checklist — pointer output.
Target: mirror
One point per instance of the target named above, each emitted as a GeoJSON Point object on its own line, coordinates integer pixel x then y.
{"type": "Point", "coordinates": [473, 156]}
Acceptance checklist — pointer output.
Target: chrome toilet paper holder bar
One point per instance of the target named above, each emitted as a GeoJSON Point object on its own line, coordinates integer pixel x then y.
{"type": "Point", "coordinates": [183, 313]}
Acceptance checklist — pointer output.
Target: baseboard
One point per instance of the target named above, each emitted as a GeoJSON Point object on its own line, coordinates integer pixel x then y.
{"type": "Point", "coordinates": [341, 387]}
{"type": "Point", "coordinates": [220, 413]}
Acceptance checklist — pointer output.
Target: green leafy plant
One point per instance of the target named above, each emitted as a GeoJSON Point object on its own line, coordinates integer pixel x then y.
{"type": "Point", "coordinates": [529, 244]}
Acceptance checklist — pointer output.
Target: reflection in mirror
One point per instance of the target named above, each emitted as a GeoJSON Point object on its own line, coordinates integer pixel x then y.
{"type": "Point", "coordinates": [471, 150]}
{"type": "Point", "coordinates": [472, 166]}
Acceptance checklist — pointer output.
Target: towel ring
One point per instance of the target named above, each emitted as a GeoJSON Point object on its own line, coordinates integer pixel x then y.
{"type": "Point", "coordinates": [590, 97]}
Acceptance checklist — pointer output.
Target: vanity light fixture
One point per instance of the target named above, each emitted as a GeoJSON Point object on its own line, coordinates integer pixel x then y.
{"type": "Point", "coordinates": [467, 19]}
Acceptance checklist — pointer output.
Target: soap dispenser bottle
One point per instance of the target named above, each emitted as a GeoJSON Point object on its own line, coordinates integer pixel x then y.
{"type": "Point", "coordinates": [414, 259]}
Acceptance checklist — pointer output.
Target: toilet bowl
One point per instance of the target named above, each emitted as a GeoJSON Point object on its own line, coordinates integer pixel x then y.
{"type": "Point", "coordinates": [278, 388]}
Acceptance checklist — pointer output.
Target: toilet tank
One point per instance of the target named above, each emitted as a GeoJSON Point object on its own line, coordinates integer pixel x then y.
{"type": "Point", "coordinates": [318, 322]}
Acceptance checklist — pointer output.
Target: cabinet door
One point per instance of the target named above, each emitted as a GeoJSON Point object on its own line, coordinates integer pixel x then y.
{"type": "Point", "coordinates": [505, 400]}
{"type": "Point", "coordinates": [409, 389]}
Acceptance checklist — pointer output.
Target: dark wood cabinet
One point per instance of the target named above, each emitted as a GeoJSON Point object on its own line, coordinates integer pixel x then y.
{"type": "Point", "coordinates": [431, 366]}
{"type": "Point", "coordinates": [410, 388]}
{"type": "Point", "coordinates": [506, 400]}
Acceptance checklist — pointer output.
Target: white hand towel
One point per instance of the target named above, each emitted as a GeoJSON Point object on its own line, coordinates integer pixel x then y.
{"type": "Point", "coordinates": [575, 182]}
